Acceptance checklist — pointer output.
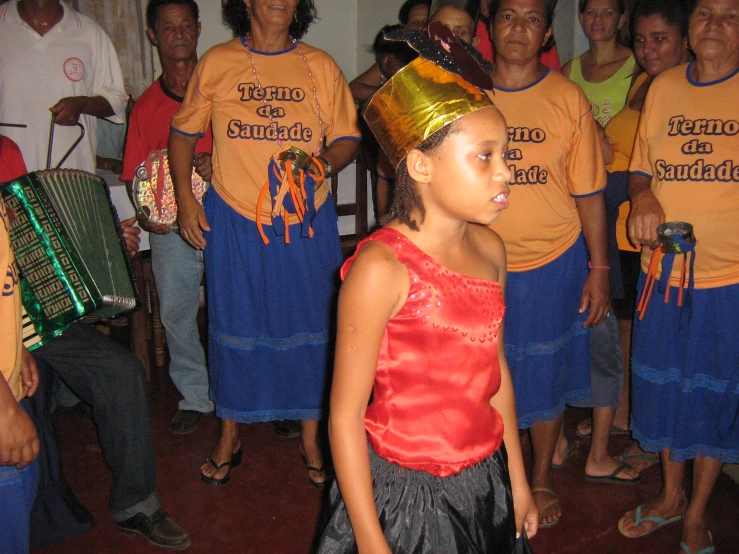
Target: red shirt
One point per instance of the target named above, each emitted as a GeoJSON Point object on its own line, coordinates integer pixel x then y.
{"type": "Point", "coordinates": [437, 368]}
{"type": "Point", "coordinates": [550, 58]}
{"type": "Point", "coordinates": [11, 160]}
{"type": "Point", "coordinates": [148, 127]}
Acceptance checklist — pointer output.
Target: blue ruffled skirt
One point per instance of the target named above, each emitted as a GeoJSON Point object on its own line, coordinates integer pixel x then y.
{"type": "Point", "coordinates": [685, 383]}
{"type": "Point", "coordinates": [548, 350]}
{"type": "Point", "coordinates": [270, 309]}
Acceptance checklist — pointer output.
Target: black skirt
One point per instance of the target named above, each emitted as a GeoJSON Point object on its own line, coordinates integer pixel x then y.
{"type": "Point", "coordinates": [470, 512]}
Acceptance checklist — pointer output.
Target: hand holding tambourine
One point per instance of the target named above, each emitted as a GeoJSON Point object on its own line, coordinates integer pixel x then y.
{"type": "Point", "coordinates": [153, 190]}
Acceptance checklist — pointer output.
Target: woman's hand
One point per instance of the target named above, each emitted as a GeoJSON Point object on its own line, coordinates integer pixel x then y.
{"type": "Point", "coordinates": [527, 514]}
{"type": "Point", "coordinates": [597, 294]}
{"type": "Point", "coordinates": [646, 215]}
{"type": "Point", "coordinates": [192, 221]}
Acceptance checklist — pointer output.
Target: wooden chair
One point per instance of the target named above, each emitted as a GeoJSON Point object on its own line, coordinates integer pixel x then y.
{"type": "Point", "coordinates": [146, 331]}
{"type": "Point", "coordinates": [357, 209]}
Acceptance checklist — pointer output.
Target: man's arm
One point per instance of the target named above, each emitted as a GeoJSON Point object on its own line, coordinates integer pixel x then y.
{"type": "Point", "coordinates": [68, 110]}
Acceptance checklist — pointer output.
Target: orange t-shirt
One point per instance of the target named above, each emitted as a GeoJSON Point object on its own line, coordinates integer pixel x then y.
{"type": "Point", "coordinates": [554, 157]}
{"type": "Point", "coordinates": [11, 343]}
{"type": "Point", "coordinates": [251, 124]}
{"type": "Point", "coordinates": [622, 130]}
{"type": "Point", "coordinates": [689, 148]}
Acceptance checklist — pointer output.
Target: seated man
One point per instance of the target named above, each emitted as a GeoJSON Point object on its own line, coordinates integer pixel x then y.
{"type": "Point", "coordinates": [73, 58]}
{"type": "Point", "coordinates": [112, 381]}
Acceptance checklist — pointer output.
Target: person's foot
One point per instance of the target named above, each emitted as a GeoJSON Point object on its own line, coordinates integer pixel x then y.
{"type": "Point", "coordinates": [649, 517]}
{"type": "Point", "coordinates": [312, 458]}
{"type": "Point", "coordinates": [607, 467]}
{"type": "Point", "coordinates": [288, 428]}
{"type": "Point", "coordinates": [696, 537]}
{"type": "Point", "coordinates": [634, 456]}
{"type": "Point", "coordinates": [218, 465]}
{"type": "Point", "coordinates": [185, 421]}
{"type": "Point", "coordinates": [585, 428]}
{"type": "Point", "coordinates": [159, 530]}
{"type": "Point", "coordinates": [564, 450]}
{"type": "Point", "coordinates": [548, 505]}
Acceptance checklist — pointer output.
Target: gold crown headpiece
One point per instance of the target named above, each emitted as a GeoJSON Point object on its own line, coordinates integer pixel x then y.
{"type": "Point", "coordinates": [445, 82]}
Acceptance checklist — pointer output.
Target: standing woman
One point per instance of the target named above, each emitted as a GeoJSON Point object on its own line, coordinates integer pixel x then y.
{"type": "Point", "coordinates": [685, 167]}
{"type": "Point", "coordinates": [660, 31]}
{"type": "Point", "coordinates": [270, 291]}
{"type": "Point", "coordinates": [557, 180]}
{"type": "Point", "coordinates": [604, 72]}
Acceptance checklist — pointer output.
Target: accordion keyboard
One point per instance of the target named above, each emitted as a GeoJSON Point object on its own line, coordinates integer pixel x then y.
{"type": "Point", "coordinates": [30, 337]}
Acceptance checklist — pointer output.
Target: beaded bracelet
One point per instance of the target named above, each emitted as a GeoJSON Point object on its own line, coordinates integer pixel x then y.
{"type": "Point", "coordinates": [606, 267]}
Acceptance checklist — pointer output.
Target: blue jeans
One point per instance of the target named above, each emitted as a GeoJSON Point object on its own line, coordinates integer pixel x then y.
{"type": "Point", "coordinates": [178, 269]}
{"type": "Point", "coordinates": [17, 491]}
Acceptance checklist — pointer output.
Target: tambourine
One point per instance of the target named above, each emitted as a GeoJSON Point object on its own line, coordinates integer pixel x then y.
{"type": "Point", "coordinates": [153, 191]}
{"type": "Point", "coordinates": [675, 238]}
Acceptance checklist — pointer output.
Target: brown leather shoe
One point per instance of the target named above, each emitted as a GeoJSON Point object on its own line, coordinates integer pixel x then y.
{"type": "Point", "coordinates": [159, 530]}
{"type": "Point", "coordinates": [185, 421]}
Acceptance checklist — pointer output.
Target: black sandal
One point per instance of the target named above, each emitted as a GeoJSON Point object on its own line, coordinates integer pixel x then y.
{"type": "Point", "coordinates": [232, 463]}
{"type": "Point", "coordinates": [317, 484]}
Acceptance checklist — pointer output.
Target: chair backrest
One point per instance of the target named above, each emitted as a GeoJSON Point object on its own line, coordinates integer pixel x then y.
{"type": "Point", "coordinates": [357, 209]}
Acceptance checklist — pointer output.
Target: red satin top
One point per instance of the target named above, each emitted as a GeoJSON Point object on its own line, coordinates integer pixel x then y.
{"type": "Point", "coordinates": [438, 367]}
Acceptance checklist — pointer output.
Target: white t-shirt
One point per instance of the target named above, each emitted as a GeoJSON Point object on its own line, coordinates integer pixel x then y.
{"type": "Point", "coordinates": [74, 58]}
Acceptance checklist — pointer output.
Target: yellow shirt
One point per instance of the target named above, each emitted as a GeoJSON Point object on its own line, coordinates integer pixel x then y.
{"type": "Point", "coordinates": [607, 97]}
{"type": "Point", "coordinates": [554, 157]}
{"type": "Point", "coordinates": [10, 312]}
{"type": "Point", "coordinates": [251, 124]}
{"type": "Point", "coordinates": [622, 130]}
{"type": "Point", "coordinates": [689, 147]}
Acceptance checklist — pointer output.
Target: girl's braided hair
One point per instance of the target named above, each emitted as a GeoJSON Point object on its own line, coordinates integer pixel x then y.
{"type": "Point", "coordinates": [405, 194]}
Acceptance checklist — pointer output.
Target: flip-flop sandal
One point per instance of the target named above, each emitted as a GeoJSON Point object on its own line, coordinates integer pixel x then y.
{"type": "Point", "coordinates": [316, 484]}
{"type": "Point", "coordinates": [232, 463]}
{"type": "Point", "coordinates": [547, 506]}
{"type": "Point", "coordinates": [574, 446]}
{"type": "Point", "coordinates": [612, 479]}
{"type": "Point", "coordinates": [589, 421]}
{"type": "Point", "coordinates": [651, 459]}
{"type": "Point", "coordinates": [706, 550]}
{"type": "Point", "coordinates": [638, 520]}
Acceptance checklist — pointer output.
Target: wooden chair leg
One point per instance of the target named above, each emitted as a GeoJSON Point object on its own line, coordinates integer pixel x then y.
{"type": "Point", "coordinates": [160, 343]}
{"type": "Point", "coordinates": [139, 320]}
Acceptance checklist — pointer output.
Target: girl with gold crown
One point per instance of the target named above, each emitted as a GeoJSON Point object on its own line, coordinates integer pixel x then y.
{"type": "Point", "coordinates": [419, 331]}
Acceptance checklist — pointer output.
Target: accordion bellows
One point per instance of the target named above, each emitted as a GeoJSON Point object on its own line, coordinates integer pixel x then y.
{"type": "Point", "coordinates": [70, 250]}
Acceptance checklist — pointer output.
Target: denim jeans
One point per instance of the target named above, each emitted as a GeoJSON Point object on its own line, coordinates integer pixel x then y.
{"type": "Point", "coordinates": [110, 379]}
{"type": "Point", "coordinates": [17, 491]}
{"type": "Point", "coordinates": [178, 269]}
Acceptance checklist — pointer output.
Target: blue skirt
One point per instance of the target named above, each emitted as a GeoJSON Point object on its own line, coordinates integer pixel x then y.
{"type": "Point", "coordinates": [548, 350]}
{"type": "Point", "coordinates": [685, 383]}
{"type": "Point", "coordinates": [269, 314]}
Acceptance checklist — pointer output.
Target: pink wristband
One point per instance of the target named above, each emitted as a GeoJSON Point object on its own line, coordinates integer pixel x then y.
{"type": "Point", "coordinates": [591, 266]}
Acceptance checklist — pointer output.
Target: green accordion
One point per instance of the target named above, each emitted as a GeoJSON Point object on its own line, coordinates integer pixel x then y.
{"type": "Point", "coordinates": [70, 250]}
